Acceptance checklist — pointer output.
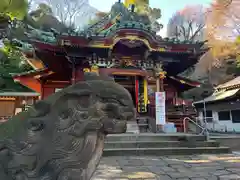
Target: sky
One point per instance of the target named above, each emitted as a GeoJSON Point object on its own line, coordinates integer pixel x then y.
{"type": "Point", "coordinates": [168, 7]}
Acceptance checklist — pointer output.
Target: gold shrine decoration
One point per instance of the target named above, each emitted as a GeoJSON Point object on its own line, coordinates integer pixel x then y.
{"type": "Point", "coordinates": [182, 81]}
{"type": "Point", "coordinates": [127, 3]}
{"type": "Point", "coordinates": [94, 68]}
{"type": "Point", "coordinates": [86, 70]}
{"type": "Point", "coordinates": [159, 72]}
{"type": "Point", "coordinates": [126, 61]}
{"type": "Point", "coordinates": [162, 74]}
{"type": "Point", "coordinates": [6, 98]}
{"type": "Point", "coordinates": [116, 40]}
{"type": "Point", "coordinates": [131, 38]}
{"type": "Point", "coordinates": [136, 38]}
{"type": "Point", "coordinates": [145, 85]}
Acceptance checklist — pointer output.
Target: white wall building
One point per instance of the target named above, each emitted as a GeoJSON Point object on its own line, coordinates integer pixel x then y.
{"type": "Point", "coordinates": [222, 121]}
{"type": "Point", "coordinates": [222, 108]}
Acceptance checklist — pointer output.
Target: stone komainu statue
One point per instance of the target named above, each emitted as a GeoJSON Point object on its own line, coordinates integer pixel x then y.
{"type": "Point", "coordinates": [62, 137]}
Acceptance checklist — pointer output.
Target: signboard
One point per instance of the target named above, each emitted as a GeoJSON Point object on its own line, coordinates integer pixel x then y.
{"type": "Point", "coordinates": [160, 98]}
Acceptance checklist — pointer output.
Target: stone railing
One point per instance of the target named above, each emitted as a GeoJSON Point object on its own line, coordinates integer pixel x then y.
{"type": "Point", "coordinates": [181, 110]}
{"type": "Point", "coordinates": [174, 114]}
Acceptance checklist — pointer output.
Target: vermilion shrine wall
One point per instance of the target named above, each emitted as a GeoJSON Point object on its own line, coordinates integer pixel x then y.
{"type": "Point", "coordinates": [52, 87]}
{"type": "Point", "coordinates": [170, 90]}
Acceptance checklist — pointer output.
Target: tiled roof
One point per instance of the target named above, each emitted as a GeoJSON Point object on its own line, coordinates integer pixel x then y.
{"type": "Point", "coordinates": [187, 81]}
{"type": "Point", "coordinates": [12, 87]}
{"type": "Point", "coordinates": [25, 94]}
{"type": "Point", "coordinates": [232, 82]}
{"type": "Point", "coordinates": [219, 96]}
{"type": "Point", "coordinates": [28, 72]}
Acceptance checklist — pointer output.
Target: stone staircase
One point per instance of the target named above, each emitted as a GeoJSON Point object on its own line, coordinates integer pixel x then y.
{"type": "Point", "coordinates": [160, 145]}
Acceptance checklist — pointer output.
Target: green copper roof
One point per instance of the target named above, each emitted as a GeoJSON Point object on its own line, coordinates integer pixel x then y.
{"type": "Point", "coordinates": [126, 25]}
{"type": "Point", "coordinates": [7, 84]}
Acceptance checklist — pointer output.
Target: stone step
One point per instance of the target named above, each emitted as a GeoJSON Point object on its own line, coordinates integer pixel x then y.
{"type": "Point", "coordinates": [164, 151]}
{"type": "Point", "coordinates": [155, 137]}
{"type": "Point", "coordinates": [158, 144]}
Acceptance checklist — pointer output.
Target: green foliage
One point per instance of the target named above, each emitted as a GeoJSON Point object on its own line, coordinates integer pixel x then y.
{"type": "Point", "coordinates": [234, 69]}
{"type": "Point", "coordinates": [198, 93]}
{"type": "Point", "coordinates": [14, 8]}
{"type": "Point", "coordinates": [12, 61]}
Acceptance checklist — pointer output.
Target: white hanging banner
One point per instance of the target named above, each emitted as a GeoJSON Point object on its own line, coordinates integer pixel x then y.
{"type": "Point", "coordinates": [160, 99]}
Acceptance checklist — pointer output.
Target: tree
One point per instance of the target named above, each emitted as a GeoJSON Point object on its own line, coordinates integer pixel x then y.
{"type": "Point", "coordinates": [42, 10]}
{"type": "Point", "coordinates": [69, 11]}
{"type": "Point", "coordinates": [12, 61]}
{"type": "Point", "coordinates": [188, 23]}
{"type": "Point", "coordinates": [14, 8]}
{"type": "Point", "coordinates": [223, 29]}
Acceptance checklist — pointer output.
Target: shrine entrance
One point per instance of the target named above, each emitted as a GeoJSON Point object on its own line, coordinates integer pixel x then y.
{"type": "Point", "coordinates": [127, 82]}
{"type": "Point", "coordinates": [136, 86]}
{"type": "Point", "coordinates": [129, 55]}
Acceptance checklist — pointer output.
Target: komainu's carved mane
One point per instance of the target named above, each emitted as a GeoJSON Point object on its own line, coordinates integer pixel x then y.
{"type": "Point", "coordinates": [62, 137]}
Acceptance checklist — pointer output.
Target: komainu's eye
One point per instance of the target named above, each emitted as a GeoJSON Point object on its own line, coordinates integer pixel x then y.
{"type": "Point", "coordinates": [84, 101]}
{"type": "Point", "coordinates": [65, 113]}
{"type": "Point", "coordinates": [110, 100]}
{"type": "Point", "coordinates": [113, 101]}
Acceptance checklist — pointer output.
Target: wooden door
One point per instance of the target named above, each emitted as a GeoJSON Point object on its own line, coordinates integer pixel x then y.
{"type": "Point", "coordinates": [7, 108]}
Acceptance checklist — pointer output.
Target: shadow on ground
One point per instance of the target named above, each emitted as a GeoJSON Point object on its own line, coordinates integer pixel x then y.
{"type": "Point", "coordinates": [195, 167]}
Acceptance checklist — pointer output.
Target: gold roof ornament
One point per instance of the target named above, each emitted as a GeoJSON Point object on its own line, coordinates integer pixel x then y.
{"type": "Point", "coordinates": [128, 3]}
{"type": "Point", "coordinates": [95, 69]}
{"type": "Point", "coordinates": [159, 72]}
{"type": "Point", "coordinates": [86, 70]}
{"type": "Point", "coordinates": [140, 5]}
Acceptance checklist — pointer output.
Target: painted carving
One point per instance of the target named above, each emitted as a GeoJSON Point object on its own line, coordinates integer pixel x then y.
{"type": "Point", "coordinates": [95, 69]}
{"type": "Point", "coordinates": [62, 137]}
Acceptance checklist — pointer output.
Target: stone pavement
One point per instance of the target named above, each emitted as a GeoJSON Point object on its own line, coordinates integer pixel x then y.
{"type": "Point", "coordinates": [195, 167]}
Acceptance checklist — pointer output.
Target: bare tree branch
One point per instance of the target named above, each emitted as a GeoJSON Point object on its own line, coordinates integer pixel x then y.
{"type": "Point", "coordinates": [200, 28]}
{"type": "Point", "coordinates": [68, 10]}
{"type": "Point", "coordinates": [189, 23]}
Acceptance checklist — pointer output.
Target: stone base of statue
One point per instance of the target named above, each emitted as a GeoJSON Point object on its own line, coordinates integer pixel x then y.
{"type": "Point", "coordinates": [132, 127]}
